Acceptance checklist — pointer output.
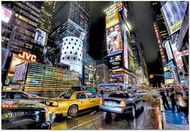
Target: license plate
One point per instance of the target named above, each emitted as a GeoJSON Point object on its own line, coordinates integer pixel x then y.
{"type": "Point", "coordinates": [110, 103]}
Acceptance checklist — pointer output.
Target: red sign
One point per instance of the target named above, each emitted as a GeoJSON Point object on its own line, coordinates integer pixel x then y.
{"type": "Point", "coordinates": [28, 56]}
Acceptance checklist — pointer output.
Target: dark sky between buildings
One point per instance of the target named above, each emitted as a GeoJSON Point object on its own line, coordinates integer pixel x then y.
{"type": "Point", "coordinates": [144, 27]}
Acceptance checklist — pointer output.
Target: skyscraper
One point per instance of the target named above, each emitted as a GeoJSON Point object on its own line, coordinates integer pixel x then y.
{"type": "Point", "coordinates": [18, 33]}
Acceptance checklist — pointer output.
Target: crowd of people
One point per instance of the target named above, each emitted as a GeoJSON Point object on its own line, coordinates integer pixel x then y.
{"type": "Point", "coordinates": [179, 100]}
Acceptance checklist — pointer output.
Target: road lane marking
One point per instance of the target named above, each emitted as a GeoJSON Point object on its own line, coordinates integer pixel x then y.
{"type": "Point", "coordinates": [84, 123]}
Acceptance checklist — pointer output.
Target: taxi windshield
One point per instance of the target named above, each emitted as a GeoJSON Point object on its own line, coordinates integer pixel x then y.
{"type": "Point", "coordinates": [66, 95]}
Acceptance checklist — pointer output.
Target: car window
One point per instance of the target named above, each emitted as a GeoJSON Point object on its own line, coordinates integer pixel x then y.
{"type": "Point", "coordinates": [20, 96]}
{"type": "Point", "coordinates": [90, 95]}
{"type": "Point", "coordinates": [66, 95]}
{"type": "Point", "coordinates": [5, 95]}
{"type": "Point", "coordinates": [119, 95]}
{"type": "Point", "coordinates": [81, 96]}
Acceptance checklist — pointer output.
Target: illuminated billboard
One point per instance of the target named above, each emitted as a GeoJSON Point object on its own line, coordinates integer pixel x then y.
{"type": "Point", "coordinates": [174, 12]}
{"type": "Point", "coordinates": [14, 61]}
{"type": "Point", "coordinates": [5, 14]}
{"type": "Point", "coordinates": [168, 50]}
{"type": "Point", "coordinates": [177, 55]}
{"type": "Point", "coordinates": [132, 63]}
{"type": "Point", "coordinates": [20, 72]}
{"type": "Point", "coordinates": [40, 37]}
{"type": "Point", "coordinates": [168, 75]}
{"type": "Point", "coordinates": [18, 59]}
{"type": "Point", "coordinates": [125, 46]}
{"type": "Point", "coordinates": [114, 41]}
{"type": "Point", "coordinates": [112, 18]}
{"type": "Point", "coordinates": [115, 61]}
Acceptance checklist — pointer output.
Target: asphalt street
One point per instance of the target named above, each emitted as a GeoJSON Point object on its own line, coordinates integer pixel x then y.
{"type": "Point", "coordinates": [99, 120]}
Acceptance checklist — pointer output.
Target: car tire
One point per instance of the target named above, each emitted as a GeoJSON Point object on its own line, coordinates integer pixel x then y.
{"type": "Point", "coordinates": [73, 110]}
{"type": "Point", "coordinates": [133, 112]}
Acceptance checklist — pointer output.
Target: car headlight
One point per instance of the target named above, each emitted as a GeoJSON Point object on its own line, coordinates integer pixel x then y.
{"type": "Point", "coordinates": [55, 103]}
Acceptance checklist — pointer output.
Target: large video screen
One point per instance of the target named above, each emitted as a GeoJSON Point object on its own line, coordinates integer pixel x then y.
{"type": "Point", "coordinates": [5, 14]}
{"type": "Point", "coordinates": [14, 61]}
{"type": "Point", "coordinates": [40, 37]}
{"type": "Point", "coordinates": [174, 12]}
{"type": "Point", "coordinates": [115, 61]}
{"type": "Point", "coordinates": [114, 41]}
{"type": "Point", "coordinates": [112, 18]}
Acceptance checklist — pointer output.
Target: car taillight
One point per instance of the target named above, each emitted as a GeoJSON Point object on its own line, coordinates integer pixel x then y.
{"type": "Point", "coordinates": [122, 104]}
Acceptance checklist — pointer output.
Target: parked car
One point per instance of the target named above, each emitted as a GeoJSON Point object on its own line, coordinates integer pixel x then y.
{"type": "Point", "coordinates": [20, 95]}
{"type": "Point", "coordinates": [69, 103]}
{"type": "Point", "coordinates": [122, 103]}
{"type": "Point", "coordinates": [22, 113]}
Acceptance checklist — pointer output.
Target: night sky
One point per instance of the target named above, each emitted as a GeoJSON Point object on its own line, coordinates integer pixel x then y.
{"type": "Point", "coordinates": [144, 26]}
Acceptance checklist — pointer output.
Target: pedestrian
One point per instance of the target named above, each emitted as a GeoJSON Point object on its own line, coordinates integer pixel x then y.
{"type": "Point", "coordinates": [172, 95]}
{"type": "Point", "coordinates": [182, 101]}
{"type": "Point", "coordinates": [164, 100]}
{"type": "Point", "coordinates": [101, 92]}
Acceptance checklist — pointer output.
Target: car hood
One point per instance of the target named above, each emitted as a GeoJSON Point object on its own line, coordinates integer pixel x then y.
{"type": "Point", "coordinates": [24, 103]}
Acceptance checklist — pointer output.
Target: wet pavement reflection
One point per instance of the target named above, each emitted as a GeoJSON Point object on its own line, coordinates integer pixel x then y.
{"type": "Point", "coordinates": [98, 120]}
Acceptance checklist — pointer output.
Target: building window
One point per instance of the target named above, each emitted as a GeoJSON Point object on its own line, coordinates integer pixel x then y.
{"type": "Point", "coordinates": [77, 40]}
{"type": "Point", "coordinates": [66, 39]}
{"type": "Point", "coordinates": [67, 47]}
{"type": "Point", "coordinates": [75, 43]}
{"type": "Point", "coordinates": [71, 52]}
{"type": "Point", "coordinates": [69, 42]}
{"type": "Point", "coordinates": [68, 58]}
{"type": "Point", "coordinates": [71, 39]}
{"type": "Point", "coordinates": [63, 58]}
{"type": "Point", "coordinates": [73, 58]}
{"type": "Point", "coordinates": [65, 52]}
{"type": "Point", "coordinates": [78, 48]}
{"type": "Point", "coordinates": [72, 47]}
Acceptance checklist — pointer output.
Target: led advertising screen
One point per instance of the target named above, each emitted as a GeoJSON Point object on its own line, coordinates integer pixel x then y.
{"type": "Point", "coordinates": [132, 63]}
{"type": "Point", "coordinates": [115, 61]}
{"type": "Point", "coordinates": [40, 37]}
{"type": "Point", "coordinates": [174, 12]}
{"type": "Point", "coordinates": [5, 14]}
{"type": "Point", "coordinates": [168, 75]}
{"type": "Point", "coordinates": [20, 72]}
{"type": "Point", "coordinates": [125, 46]}
{"type": "Point", "coordinates": [177, 55]}
{"type": "Point", "coordinates": [14, 61]}
{"type": "Point", "coordinates": [112, 18]}
{"type": "Point", "coordinates": [168, 50]}
{"type": "Point", "coordinates": [114, 41]}
{"type": "Point", "coordinates": [171, 65]}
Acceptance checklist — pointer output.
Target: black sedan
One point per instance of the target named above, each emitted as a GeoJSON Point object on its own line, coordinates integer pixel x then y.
{"type": "Point", "coordinates": [122, 103]}
{"type": "Point", "coordinates": [20, 95]}
{"type": "Point", "coordinates": [24, 114]}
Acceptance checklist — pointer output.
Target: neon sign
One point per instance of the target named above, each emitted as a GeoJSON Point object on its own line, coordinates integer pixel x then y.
{"type": "Point", "coordinates": [28, 56]}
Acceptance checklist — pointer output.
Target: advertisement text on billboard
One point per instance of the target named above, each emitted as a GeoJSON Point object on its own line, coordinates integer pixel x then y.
{"type": "Point", "coordinates": [40, 37]}
{"type": "Point", "coordinates": [114, 41]}
{"type": "Point", "coordinates": [174, 12]}
{"type": "Point", "coordinates": [115, 62]}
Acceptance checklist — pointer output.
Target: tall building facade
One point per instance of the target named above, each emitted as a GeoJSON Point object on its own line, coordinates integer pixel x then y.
{"type": "Point", "coordinates": [20, 33]}
{"type": "Point", "coordinates": [120, 55]}
{"type": "Point", "coordinates": [174, 15]}
{"type": "Point", "coordinates": [70, 19]}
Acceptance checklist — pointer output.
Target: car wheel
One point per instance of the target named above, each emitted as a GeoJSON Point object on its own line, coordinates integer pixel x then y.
{"type": "Point", "coordinates": [133, 112]}
{"type": "Point", "coordinates": [73, 110]}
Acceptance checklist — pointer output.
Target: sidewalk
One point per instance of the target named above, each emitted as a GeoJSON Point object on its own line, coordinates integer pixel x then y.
{"type": "Point", "coordinates": [174, 121]}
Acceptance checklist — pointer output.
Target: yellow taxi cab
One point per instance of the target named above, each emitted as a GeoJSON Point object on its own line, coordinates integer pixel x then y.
{"type": "Point", "coordinates": [69, 103]}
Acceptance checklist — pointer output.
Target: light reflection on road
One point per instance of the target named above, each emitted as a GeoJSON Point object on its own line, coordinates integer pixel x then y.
{"type": "Point", "coordinates": [101, 120]}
